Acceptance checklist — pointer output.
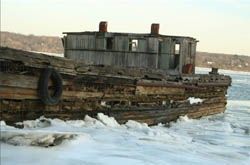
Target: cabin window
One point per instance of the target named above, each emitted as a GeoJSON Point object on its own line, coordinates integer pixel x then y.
{"type": "Point", "coordinates": [177, 48]}
{"type": "Point", "coordinates": [175, 57]}
{"type": "Point", "coordinates": [109, 43]}
{"type": "Point", "coordinates": [133, 44]}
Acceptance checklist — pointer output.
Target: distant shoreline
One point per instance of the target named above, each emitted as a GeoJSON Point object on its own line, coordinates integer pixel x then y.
{"type": "Point", "coordinates": [54, 45]}
{"type": "Point", "coordinates": [221, 70]}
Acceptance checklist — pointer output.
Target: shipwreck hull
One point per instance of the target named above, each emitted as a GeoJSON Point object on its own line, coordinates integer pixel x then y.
{"type": "Point", "coordinates": [124, 93]}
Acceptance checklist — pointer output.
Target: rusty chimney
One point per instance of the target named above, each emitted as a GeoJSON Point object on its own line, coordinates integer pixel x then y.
{"type": "Point", "coordinates": [103, 26]}
{"type": "Point", "coordinates": [155, 28]}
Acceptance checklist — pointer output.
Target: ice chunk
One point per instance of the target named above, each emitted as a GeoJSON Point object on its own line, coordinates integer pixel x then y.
{"type": "Point", "coordinates": [38, 123]}
{"type": "Point", "coordinates": [2, 123]}
{"type": "Point", "coordinates": [182, 119]}
{"type": "Point", "coordinates": [34, 139]}
{"type": "Point", "coordinates": [108, 121]}
{"type": "Point", "coordinates": [76, 123]}
{"type": "Point", "coordinates": [136, 125]}
{"type": "Point", "coordinates": [92, 122]}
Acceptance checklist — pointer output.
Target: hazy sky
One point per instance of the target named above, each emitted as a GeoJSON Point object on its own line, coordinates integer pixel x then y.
{"type": "Point", "coordinates": [220, 25]}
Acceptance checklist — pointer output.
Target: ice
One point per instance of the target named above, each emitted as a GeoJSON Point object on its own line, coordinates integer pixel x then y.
{"type": "Point", "coordinates": [93, 122]}
{"type": "Point", "coordinates": [108, 121]}
{"type": "Point", "coordinates": [34, 139]}
{"type": "Point", "coordinates": [41, 122]}
{"type": "Point", "coordinates": [136, 125]}
{"type": "Point", "coordinates": [2, 123]}
{"type": "Point", "coordinates": [184, 119]}
{"type": "Point", "coordinates": [90, 141]}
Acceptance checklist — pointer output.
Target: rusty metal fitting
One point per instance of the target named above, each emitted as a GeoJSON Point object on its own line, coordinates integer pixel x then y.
{"type": "Point", "coordinates": [155, 28]}
{"type": "Point", "coordinates": [103, 26]}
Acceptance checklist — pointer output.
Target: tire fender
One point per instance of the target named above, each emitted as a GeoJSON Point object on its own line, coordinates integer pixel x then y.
{"type": "Point", "coordinates": [43, 86]}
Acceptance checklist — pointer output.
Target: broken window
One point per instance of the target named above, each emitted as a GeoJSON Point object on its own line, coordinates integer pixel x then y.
{"type": "Point", "coordinates": [109, 43]}
{"type": "Point", "coordinates": [133, 44]}
{"type": "Point", "coordinates": [177, 48]}
{"type": "Point", "coordinates": [175, 57]}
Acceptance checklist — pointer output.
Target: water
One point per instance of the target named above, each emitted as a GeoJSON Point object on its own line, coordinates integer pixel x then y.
{"type": "Point", "coordinates": [218, 139]}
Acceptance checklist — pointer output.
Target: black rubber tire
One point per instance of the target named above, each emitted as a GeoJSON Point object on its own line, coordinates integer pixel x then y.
{"type": "Point", "coordinates": [46, 75]}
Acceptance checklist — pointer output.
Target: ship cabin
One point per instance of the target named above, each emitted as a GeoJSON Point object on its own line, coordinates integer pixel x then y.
{"type": "Point", "coordinates": [172, 54]}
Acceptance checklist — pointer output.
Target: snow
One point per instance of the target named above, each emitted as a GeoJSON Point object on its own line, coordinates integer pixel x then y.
{"type": "Point", "coordinates": [164, 102]}
{"type": "Point", "coordinates": [103, 103]}
{"type": "Point", "coordinates": [193, 100]}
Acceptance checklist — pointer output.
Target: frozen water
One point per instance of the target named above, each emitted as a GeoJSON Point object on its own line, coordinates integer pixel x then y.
{"type": "Point", "coordinates": [218, 139]}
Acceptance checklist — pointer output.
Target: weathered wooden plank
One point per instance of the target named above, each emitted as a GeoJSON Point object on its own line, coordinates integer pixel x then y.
{"type": "Point", "coordinates": [24, 93]}
{"type": "Point", "coordinates": [151, 116]}
{"type": "Point", "coordinates": [142, 90]}
{"type": "Point", "coordinates": [33, 58]}
{"type": "Point", "coordinates": [17, 93]}
{"type": "Point", "coordinates": [22, 81]}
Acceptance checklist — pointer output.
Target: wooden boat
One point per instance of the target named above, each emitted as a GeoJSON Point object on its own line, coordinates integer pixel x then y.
{"type": "Point", "coordinates": [141, 77]}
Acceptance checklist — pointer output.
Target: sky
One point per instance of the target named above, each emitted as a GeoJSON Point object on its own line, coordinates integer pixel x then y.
{"type": "Point", "coordinates": [221, 26]}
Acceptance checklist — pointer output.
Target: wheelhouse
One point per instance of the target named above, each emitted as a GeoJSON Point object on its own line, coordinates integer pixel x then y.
{"type": "Point", "coordinates": [173, 54]}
